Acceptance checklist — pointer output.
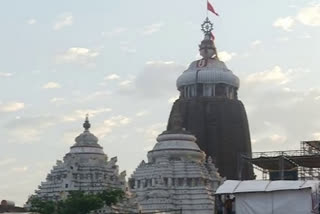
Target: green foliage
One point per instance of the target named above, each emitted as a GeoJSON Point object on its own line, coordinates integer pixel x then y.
{"type": "Point", "coordinates": [80, 203]}
{"type": "Point", "coordinates": [112, 196]}
{"type": "Point", "coordinates": [77, 203]}
{"type": "Point", "coordinates": [42, 206]}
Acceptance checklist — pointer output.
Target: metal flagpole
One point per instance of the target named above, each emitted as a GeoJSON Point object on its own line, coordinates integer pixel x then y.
{"type": "Point", "coordinates": [207, 7]}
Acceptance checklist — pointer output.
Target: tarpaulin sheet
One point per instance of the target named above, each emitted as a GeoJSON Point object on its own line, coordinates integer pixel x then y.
{"type": "Point", "coordinates": [273, 197]}
{"type": "Point", "coordinates": [233, 186]}
{"type": "Point", "coordinates": [280, 202]}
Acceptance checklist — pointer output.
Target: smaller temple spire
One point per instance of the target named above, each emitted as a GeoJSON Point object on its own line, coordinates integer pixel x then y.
{"type": "Point", "coordinates": [86, 124]}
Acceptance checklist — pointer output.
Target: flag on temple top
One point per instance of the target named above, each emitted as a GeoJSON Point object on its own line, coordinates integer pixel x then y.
{"type": "Point", "coordinates": [211, 9]}
{"type": "Point", "coordinates": [212, 37]}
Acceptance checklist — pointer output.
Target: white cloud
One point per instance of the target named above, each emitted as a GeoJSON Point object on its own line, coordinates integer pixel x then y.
{"type": "Point", "coordinates": [63, 21]}
{"type": "Point", "coordinates": [112, 77]}
{"type": "Point", "coordinates": [127, 49]}
{"type": "Point", "coordinates": [310, 15]}
{"type": "Point", "coordinates": [158, 78]}
{"type": "Point", "coordinates": [275, 75]}
{"type": "Point", "coordinates": [28, 129]}
{"type": "Point", "coordinates": [125, 83]}
{"type": "Point", "coordinates": [285, 23]}
{"type": "Point", "coordinates": [78, 55]}
{"type": "Point", "coordinates": [114, 32]}
{"type": "Point", "coordinates": [11, 106]}
{"type": "Point", "coordinates": [56, 99]}
{"type": "Point", "coordinates": [280, 116]}
{"type": "Point", "coordinates": [142, 113]}
{"type": "Point", "coordinates": [25, 135]}
{"type": "Point", "coordinates": [283, 39]}
{"type": "Point", "coordinates": [2, 74]}
{"type": "Point", "coordinates": [109, 124]}
{"type": "Point", "coordinates": [172, 99]}
{"type": "Point", "coordinates": [4, 162]}
{"type": "Point", "coordinates": [32, 21]}
{"type": "Point", "coordinates": [150, 29]}
{"type": "Point", "coordinates": [19, 169]}
{"type": "Point", "coordinates": [226, 56]}
{"type": "Point", "coordinates": [81, 113]}
{"type": "Point", "coordinates": [123, 120]}
{"type": "Point", "coordinates": [278, 139]}
{"type": "Point", "coordinates": [51, 85]}
{"type": "Point", "coordinates": [256, 43]}
{"type": "Point", "coordinates": [93, 96]}
{"type": "Point", "coordinates": [306, 36]}
{"type": "Point", "coordinates": [152, 131]}
{"type": "Point", "coordinates": [316, 135]}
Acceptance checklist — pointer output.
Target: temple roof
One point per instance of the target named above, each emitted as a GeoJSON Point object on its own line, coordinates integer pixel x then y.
{"type": "Point", "coordinates": [179, 144]}
{"type": "Point", "coordinates": [214, 72]}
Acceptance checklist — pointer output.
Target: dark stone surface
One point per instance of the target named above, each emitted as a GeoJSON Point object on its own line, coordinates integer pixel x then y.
{"type": "Point", "coordinates": [222, 131]}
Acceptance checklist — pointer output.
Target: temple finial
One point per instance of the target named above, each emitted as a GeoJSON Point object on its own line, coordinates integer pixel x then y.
{"type": "Point", "coordinates": [207, 48]}
{"type": "Point", "coordinates": [207, 27]}
{"type": "Point", "coordinates": [86, 124]}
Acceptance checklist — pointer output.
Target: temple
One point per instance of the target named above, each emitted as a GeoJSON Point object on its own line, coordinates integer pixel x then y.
{"type": "Point", "coordinates": [177, 177]}
{"type": "Point", "coordinates": [211, 110]}
{"type": "Point", "coordinates": [87, 168]}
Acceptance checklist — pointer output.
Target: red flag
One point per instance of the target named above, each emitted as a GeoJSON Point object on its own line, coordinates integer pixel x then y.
{"type": "Point", "coordinates": [212, 37]}
{"type": "Point", "coordinates": [211, 9]}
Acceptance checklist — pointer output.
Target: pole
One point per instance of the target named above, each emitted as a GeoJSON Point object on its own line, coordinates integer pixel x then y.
{"type": "Point", "coordinates": [207, 7]}
{"type": "Point", "coordinates": [281, 167]}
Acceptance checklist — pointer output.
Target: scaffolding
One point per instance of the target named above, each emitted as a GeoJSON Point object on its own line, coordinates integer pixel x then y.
{"type": "Point", "coordinates": [303, 164]}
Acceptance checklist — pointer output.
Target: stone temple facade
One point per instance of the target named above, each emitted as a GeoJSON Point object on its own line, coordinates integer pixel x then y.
{"type": "Point", "coordinates": [211, 110]}
{"type": "Point", "coordinates": [177, 177]}
{"type": "Point", "coordinates": [87, 168]}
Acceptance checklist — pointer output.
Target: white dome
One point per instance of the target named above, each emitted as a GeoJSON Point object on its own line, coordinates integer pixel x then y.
{"type": "Point", "coordinates": [86, 138]}
{"type": "Point", "coordinates": [177, 145]}
{"type": "Point", "coordinates": [176, 141]}
{"type": "Point", "coordinates": [86, 142]}
{"type": "Point", "coordinates": [214, 72]}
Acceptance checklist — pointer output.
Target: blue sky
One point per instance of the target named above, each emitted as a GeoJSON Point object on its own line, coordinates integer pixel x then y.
{"type": "Point", "coordinates": [118, 61]}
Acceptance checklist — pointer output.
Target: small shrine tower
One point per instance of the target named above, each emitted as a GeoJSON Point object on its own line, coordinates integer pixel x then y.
{"type": "Point", "coordinates": [177, 177]}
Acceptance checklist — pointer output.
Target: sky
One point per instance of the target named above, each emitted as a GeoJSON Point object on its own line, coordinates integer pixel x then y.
{"type": "Point", "coordinates": [119, 60]}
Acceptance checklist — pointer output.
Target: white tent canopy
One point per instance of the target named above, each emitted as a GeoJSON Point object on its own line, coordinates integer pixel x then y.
{"type": "Point", "coordinates": [273, 197]}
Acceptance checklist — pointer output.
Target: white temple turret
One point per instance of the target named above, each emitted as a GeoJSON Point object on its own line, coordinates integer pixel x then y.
{"type": "Point", "coordinates": [177, 176]}
{"type": "Point", "coordinates": [86, 167]}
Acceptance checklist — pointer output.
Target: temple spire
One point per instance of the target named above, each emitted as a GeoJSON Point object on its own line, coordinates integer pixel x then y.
{"type": "Point", "coordinates": [86, 124]}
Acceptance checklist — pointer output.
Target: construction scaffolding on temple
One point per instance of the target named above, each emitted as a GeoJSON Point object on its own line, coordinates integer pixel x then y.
{"type": "Point", "coordinates": [303, 164]}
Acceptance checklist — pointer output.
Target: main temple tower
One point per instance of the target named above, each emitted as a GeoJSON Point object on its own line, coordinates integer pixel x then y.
{"type": "Point", "coordinates": [210, 109]}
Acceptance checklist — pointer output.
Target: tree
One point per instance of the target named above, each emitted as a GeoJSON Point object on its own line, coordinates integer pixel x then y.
{"type": "Point", "coordinates": [77, 202]}
{"type": "Point", "coordinates": [80, 203]}
{"type": "Point", "coordinates": [42, 206]}
{"type": "Point", "coordinates": [111, 197]}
